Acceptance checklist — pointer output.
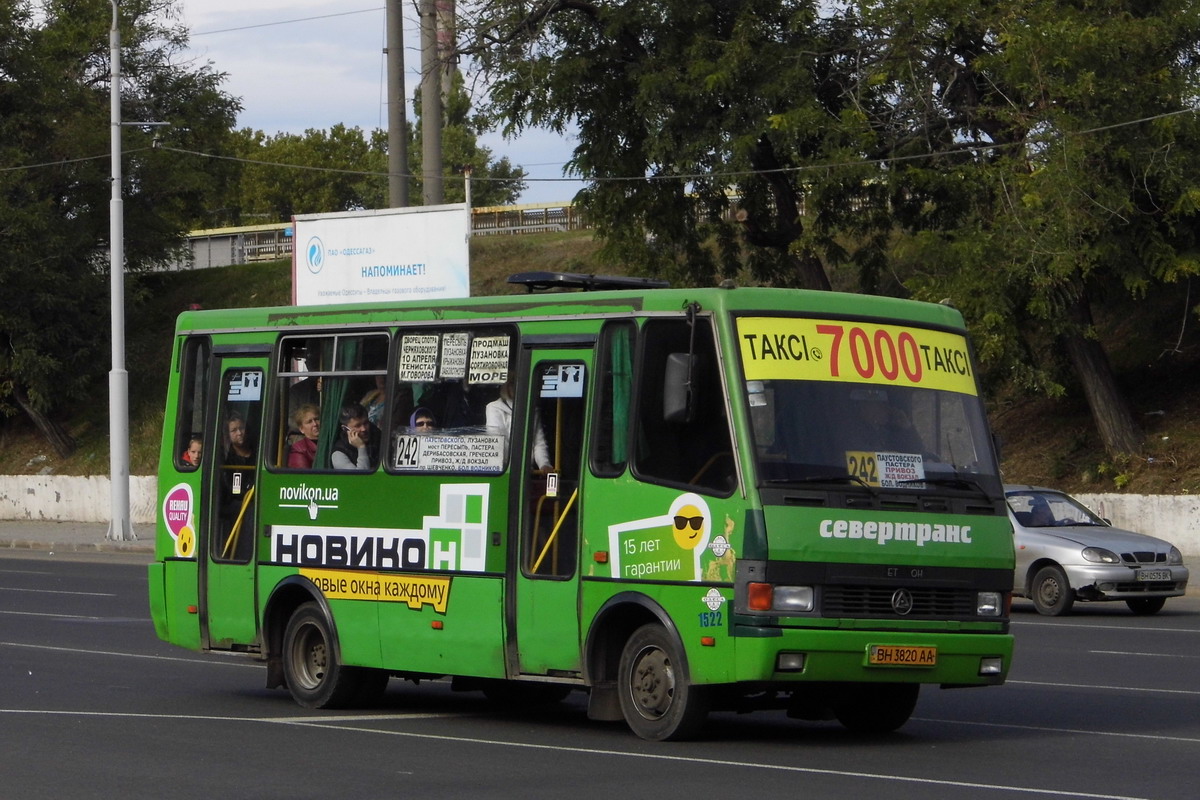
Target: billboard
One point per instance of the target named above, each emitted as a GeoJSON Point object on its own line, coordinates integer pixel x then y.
{"type": "Point", "coordinates": [386, 254]}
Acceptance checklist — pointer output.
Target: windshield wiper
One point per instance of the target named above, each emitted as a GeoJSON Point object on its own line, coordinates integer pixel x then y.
{"type": "Point", "coordinates": [840, 478]}
{"type": "Point", "coordinates": [956, 482]}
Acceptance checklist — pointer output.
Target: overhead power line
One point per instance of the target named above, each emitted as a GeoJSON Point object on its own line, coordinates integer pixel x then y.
{"type": "Point", "coordinates": [642, 178]}
{"type": "Point", "coordinates": [286, 21]}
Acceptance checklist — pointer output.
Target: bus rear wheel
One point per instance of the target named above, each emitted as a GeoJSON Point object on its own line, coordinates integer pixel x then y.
{"type": "Point", "coordinates": [657, 700]}
{"type": "Point", "coordinates": [875, 708]}
{"type": "Point", "coordinates": [314, 676]}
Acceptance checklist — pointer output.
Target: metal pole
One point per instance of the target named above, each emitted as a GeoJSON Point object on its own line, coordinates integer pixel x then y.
{"type": "Point", "coordinates": [119, 527]}
{"type": "Point", "coordinates": [431, 108]}
{"type": "Point", "coordinates": [397, 124]}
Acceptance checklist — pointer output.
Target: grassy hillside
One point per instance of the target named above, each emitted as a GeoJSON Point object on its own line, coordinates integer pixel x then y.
{"type": "Point", "coordinates": [1044, 441]}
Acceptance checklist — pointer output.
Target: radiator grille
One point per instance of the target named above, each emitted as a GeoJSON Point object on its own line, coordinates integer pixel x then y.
{"type": "Point", "coordinates": [876, 601]}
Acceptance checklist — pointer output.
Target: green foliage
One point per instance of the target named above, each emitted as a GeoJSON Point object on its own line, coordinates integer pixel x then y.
{"type": "Point", "coordinates": [319, 171]}
{"type": "Point", "coordinates": [55, 187]}
{"type": "Point", "coordinates": [1021, 159]}
{"type": "Point", "coordinates": [711, 103]}
{"type": "Point", "coordinates": [345, 169]}
{"type": "Point", "coordinates": [494, 182]}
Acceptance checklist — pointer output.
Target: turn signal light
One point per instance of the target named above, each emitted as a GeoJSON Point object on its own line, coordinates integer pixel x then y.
{"type": "Point", "coordinates": [761, 596]}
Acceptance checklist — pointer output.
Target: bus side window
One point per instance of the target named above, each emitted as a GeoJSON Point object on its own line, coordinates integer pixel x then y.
{"type": "Point", "coordinates": [695, 450]}
{"type": "Point", "coordinates": [614, 409]}
{"type": "Point", "coordinates": [189, 444]}
{"type": "Point", "coordinates": [238, 420]}
{"type": "Point", "coordinates": [318, 377]}
{"type": "Point", "coordinates": [448, 378]}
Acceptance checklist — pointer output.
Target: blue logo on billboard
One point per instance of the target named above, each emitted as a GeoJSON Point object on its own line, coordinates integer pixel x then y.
{"type": "Point", "coordinates": [315, 255]}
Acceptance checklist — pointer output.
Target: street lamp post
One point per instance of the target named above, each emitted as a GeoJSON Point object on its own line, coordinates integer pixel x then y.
{"type": "Point", "coordinates": [119, 526]}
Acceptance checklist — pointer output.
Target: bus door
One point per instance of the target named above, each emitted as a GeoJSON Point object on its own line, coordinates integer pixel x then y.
{"type": "Point", "coordinates": [547, 472]}
{"type": "Point", "coordinates": [227, 542]}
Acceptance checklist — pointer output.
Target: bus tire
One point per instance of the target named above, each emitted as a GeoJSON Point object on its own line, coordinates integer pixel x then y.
{"type": "Point", "coordinates": [875, 708]}
{"type": "Point", "coordinates": [310, 664]}
{"type": "Point", "coordinates": [658, 701]}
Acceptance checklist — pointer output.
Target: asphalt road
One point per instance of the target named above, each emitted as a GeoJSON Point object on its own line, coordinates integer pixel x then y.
{"type": "Point", "coordinates": [1101, 704]}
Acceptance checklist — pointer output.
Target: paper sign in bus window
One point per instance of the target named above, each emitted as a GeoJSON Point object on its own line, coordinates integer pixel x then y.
{"type": "Point", "coordinates": [489, 360]}
{"type": "Point", "coordinates": [245, 387]}
{"type": "Point", "coordinates": [418, 358]}
{"type": "Point", "coordinates": [433, 453]}
{"type": "Point", "coordinates": [454, 356]}
{"type": "Point", "coordinates": [565, 380]}
{"type": "Point", "coordinates": [886, 470]}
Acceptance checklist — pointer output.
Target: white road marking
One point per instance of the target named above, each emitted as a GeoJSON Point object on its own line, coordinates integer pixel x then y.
{"type": "Point", "coordinates": [1059, 685]}
{"type": "Point", "coordinates": [591, 751]}
{"type": "Point", "coordinates": [57, 591]}
{"type": "Point", "coordinates": [198, 660]}
{"type": "Point", "coordinates": [1044, 729]}
{"type": "Point", "coordinates": [1152, 655]}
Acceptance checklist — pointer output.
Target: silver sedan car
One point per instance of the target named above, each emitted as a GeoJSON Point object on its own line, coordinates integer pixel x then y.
{"type": "Point", "coordinates": [1066, 553]}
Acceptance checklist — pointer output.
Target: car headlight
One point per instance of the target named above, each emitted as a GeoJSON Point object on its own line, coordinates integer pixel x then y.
{"type": "Point", "coordinates": [1101, 556]}
{"type": "Point", "coordinates": [1174, 556]}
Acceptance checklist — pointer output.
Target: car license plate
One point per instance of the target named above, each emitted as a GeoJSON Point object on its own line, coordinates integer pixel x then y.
{"type": "Point", "coordinates": [901, 655]}
{"type": "Point", "coordinates": [1154, 575]}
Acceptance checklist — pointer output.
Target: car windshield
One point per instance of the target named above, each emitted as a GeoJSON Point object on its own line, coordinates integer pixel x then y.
{"type": "Point", "coordinates": [1043, 509]}
{"type": "Point", "coordinates": [894, 437]}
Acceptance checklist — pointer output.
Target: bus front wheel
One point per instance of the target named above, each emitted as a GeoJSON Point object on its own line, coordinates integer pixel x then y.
{"type": "Point", "coordinates": [310, 665]}
{"type": "Point", "coordinates": [657, 700]}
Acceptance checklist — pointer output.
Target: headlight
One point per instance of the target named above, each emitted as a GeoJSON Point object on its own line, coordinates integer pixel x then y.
{"type": "Point", "coordinates": [793, 598]}
{"type": "Point", "coordinates": [1101, 556]}
{"type": "Point", "coordinates": [1174, 556]}
{"type": "Point", "coordinates": [989, 604]}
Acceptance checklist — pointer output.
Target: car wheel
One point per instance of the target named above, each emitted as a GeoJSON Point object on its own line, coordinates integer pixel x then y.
{"type": "Point", "coordinates": [1144, 606]}
{"type": "Point", "coordinates": [876, 708]}
{"type": "Point", "coordinates": [1051, 593]}
{"type": "Point", "coordinates": [657, 700]}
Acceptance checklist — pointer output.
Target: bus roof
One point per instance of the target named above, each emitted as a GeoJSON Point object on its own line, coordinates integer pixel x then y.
{"type": "Point", "coordinates": [562, 304]}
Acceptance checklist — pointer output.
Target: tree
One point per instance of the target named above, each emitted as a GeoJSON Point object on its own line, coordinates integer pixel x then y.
{"type": "Point", "coordinates": [493, 182]}
{"type": "Point", "coordinates": [989, 139]}
{"type": "Point", "coordinates": [345, 169]}
{"type": "Point", "coordinates": [687, 111]}
{"type": "Point", "coordinates": [1069, 133]}
{"type": "Point", "coordinates": [317, 172]}
{"type": "Point", "coordinates": [55, 184]}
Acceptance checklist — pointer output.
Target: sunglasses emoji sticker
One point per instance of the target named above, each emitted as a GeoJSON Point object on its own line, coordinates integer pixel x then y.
{"type": "Point", "coordinates": [688, 526]}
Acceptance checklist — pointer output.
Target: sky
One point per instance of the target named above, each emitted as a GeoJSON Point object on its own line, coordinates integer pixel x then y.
{"type": "Point", "coordinates": [315, 73]}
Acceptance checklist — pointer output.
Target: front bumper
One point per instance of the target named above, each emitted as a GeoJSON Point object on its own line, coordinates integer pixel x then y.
{"type": "Point", "coordinates": [1118, 582]}
{"type": "Point", "coordinates": [842, 655]}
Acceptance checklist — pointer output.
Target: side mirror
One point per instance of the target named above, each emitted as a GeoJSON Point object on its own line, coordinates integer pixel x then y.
{"type": "Point", "coordinates": [679, 404]}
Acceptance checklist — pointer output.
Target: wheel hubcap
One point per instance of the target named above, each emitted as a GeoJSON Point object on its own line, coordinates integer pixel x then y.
{"type": "Point", "coordinates": [1050, 591]}
{"type": "Point", "coordinates": [312, 657]}
{"type": "Point", "coordinates": [652, 683]}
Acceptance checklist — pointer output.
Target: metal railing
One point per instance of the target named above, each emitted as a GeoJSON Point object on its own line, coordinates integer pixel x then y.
{"type": "Point", "coordinates": [220, 247]}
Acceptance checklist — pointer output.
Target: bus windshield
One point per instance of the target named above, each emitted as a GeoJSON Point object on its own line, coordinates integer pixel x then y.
{"type": "Point", "coordinates": [868, 405]}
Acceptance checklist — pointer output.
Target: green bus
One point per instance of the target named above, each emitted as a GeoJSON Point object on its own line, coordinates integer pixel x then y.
{"type": "Point", "coordinates": [675, 500]}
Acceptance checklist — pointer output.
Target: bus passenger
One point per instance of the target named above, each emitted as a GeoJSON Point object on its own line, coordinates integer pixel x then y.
{"type": "Point", "coordinates": [375, 400]}
{"type": "Point", "coordinates": [194, 452]}
{"type": "Point", "coordinates": [303, 452]}
{"type": "Point", "coordinates": [499, 423]}
{"type": "Point", "coordinates": [237, 483]}
{"type": "Point", "coordinates": [357, 446]}
{"type": "Point", "coordinates": [422, 420]}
